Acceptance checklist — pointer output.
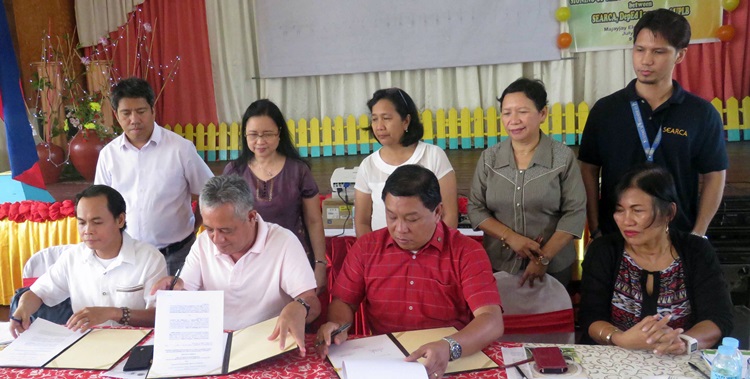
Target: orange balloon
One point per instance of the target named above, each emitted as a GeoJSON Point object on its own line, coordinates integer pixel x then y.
{"type": "Point", "coordinates": [725, 33]}
{"type": "Point", "coordinates": [564, 40]}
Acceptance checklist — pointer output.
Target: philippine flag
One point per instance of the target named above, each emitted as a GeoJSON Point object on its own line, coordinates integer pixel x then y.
{"type": "Point", "coordinates": [24, 162]}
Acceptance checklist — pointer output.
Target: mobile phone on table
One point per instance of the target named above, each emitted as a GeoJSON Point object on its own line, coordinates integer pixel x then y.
{"type": "Point", "coordinates": [549, 360]}
{"type": "Point", "coordinates": [140, 358]}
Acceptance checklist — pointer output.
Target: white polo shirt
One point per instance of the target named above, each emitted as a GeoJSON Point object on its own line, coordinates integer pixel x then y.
{"type": "Point", "coordinates": [126, 282]}
{"type": "Point", "coordinates": [157, 182]}
{"type": "Point", "coordinates": [271, 274]}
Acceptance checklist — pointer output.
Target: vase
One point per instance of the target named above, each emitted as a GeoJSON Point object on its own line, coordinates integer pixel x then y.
{"type": "Point", "coordinates": [84, 152]}
{"type": "Point", "coordinates": [51, 160]}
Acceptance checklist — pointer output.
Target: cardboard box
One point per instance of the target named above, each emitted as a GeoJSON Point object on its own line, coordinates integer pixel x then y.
{"type": "Point", "coordinates": [337, 214]}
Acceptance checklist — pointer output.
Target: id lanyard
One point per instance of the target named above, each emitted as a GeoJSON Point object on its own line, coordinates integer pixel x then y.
{"type": "Point", "coordinates": [648, 148]}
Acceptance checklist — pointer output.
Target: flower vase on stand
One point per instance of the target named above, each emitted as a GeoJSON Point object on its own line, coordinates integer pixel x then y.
{"type": "Point", "coordinates": [51, 161]}
{"type": "Point", "coordinates": [84, 152]}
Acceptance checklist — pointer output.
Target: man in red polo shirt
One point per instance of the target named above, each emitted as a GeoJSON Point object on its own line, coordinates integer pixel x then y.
{"type": "Point", "coordinates": [418, 274]}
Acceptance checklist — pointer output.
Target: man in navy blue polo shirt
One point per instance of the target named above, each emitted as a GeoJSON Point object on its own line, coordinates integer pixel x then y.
{"type": "Point", "coordinates": [653, 119]}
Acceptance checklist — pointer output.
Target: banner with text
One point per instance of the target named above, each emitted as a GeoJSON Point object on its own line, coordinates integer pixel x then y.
{"type": "Point", "coordinates": [608, 24]}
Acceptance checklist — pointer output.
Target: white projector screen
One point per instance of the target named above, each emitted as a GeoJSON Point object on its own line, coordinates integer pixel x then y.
{"type": "Point", "coordinates": [322, 37]}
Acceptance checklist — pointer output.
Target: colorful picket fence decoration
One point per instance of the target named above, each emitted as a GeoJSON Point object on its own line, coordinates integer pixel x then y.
{"type": "Point", "coordinates": [450, 129]}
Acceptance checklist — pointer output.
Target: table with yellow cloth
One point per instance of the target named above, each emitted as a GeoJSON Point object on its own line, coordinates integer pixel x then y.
{"type": "Point", "coordinates": [27, 227]}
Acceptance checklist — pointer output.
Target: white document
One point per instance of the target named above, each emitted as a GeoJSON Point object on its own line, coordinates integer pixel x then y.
{"type": "Point", "coordinates": [383, 368]}
{"type": "Point", "coordinates": [379, 348]}
{"type": "Point", "coordinates": [5, 336]}
{"type": "Point", "coordinates": [36, 346]}
{"type": "Point", "coordinates": [189, 334]}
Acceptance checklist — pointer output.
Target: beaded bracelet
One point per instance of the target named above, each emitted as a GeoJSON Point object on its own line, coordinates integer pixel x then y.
{"type": "Point", "coordinates": [125, 320]}
{"type": "Point", "coordinates": [321, 261]}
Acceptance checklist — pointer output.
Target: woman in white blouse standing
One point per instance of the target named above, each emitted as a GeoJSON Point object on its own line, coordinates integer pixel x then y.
{"type": "Point", "coordinates": [395, 124]}
{"type": "Point", "coordinates": [527, 194]}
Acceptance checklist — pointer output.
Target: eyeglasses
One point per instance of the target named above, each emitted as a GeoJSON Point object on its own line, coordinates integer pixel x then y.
{"type": "Point", "coordinates": [264, 136]}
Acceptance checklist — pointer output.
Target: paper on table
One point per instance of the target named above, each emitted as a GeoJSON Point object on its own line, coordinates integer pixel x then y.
{"type": "Point", "coordinates": [5, 336]}
{"type": "Point", "coordinates": [119, 370]}
{"type": "Point", "coordinates": [189, 334]}
{"type": "Point", "coordinates": [514, 354]}
{"type": "Point", "coordinates": [377, 347]}
{"type": "Point", "coordinates": [251, 345]}
{"type": "Point", "coordinates": [413, 340]}
{"type": "Point", "coordinates": [38, 345]}
{"type": "Point", "coordinates": [394, 368]}
{"type": "Point", "coordinates": [109, 346]}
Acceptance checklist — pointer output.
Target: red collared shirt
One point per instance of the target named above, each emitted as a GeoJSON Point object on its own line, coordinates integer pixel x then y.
{"type": "Point", "coordinates": [441, 285]}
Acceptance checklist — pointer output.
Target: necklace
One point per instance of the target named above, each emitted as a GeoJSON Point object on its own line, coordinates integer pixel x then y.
{"type": "Point", "coordinates": [263, 169]}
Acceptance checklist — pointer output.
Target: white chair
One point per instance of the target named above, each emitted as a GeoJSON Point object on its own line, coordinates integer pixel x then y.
{"type": "Point", "coordinates": [40, 262]}
{"type": "Point", "coordinates": [542, 314]}
{"type": "Point", "coordinates": [35, 267]}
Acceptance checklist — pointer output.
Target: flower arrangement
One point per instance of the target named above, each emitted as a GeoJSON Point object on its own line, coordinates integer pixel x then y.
{"type": "Point", "coordinates": [72, 86]}
{"type": "Point", "coordinates": [88, 115]}
{"type": "Point", "coordinates": [62, 103]}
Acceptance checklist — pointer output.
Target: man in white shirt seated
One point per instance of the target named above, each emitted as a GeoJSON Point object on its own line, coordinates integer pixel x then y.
{"type": "Point", "coordinates": [261, 267]}
{"type": "Point", "coordinates": [107, 277]}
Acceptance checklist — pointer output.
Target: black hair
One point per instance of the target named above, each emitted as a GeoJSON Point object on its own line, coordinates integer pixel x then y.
{"type": "Point", "coordinates": [674, 28]}
{"type": "Point", "coordinates": [656, 182]}
{"type": "Point", "coordinates": [115, 201]}
{"type": "Point", "coordinates": [265, 107]}
{"type": "Point", "coordinates": [132, 88]}
{"type": "Point", "coordinates": [405, 107]}
{"type": "Point", "coordinates": [532, 88]}
{"type": "Point", "coordinates": [414, 180]}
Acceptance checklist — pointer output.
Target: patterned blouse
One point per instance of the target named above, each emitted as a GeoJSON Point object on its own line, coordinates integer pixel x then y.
{"type": "Point", "coordinates": [631, 302]}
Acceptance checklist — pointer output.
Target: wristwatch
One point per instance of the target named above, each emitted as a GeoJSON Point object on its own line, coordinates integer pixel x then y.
{"type": "Point", "coordinates": [304, 303]}
{"type": "Point", "coordinates": [690, 342]}
{"type": "Point", "coordinates": [542, 260]}
{"type": "Point", "coordinates": [455, 348]}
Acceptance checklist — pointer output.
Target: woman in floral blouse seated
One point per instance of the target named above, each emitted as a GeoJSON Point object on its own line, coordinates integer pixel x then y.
{"type": "Point", "coordinates": [652, 288]}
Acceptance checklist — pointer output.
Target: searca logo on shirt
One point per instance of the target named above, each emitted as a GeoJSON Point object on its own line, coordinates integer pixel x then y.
{"type": "Point", "coordinates": [678, 131]}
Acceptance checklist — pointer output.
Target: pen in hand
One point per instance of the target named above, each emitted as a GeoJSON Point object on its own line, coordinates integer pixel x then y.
{"type": "Point", "coordinates": [174, 280]}
{"type": "Point", "coordinates": [334, 333]}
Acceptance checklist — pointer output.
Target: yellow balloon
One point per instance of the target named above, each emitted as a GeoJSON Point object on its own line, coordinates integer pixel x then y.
{"type": "Point", "coordinates": [562, 14]}
{"type": "Point", "coordinates": [730, 5]}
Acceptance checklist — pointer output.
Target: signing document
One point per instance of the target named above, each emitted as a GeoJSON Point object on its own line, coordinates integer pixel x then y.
{"type": "Point", "coordinates": [372, 357]}
{"type": "Point", "coordinates": [189, 335]}
{"type": "Point", "coordinates": [387, 352]}
{"type": "Point", "coordinates": [38, 345]}
{"type": "Point", "coordinates": [412, 340]}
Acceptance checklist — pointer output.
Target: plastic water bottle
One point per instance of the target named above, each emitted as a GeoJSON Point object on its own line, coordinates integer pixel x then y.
{"type": "Point", "coordinates": [735, 344]}
{"type": "Point", "coordinates": [725, 366]}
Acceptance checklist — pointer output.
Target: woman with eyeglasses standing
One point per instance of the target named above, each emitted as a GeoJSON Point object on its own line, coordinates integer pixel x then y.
{"type": "Point", "coordinates": [396, 126]}
{"type": "Point", "coordinates": [285, 190]}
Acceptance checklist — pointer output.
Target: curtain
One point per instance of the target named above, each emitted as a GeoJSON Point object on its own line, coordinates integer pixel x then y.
{"type": "Point", "coordinates": [220, 35]}
{"type": "Point", "coordinates": [586, 77]}
{"type": "Point", "coordinates": [231, 30]}
{"type": "Point", "coordinates": [97, 18]}
{"type": "Point", "coordinates": [720, 69]}
{"type": "Point", "coordinates": [166, 43]}
{"type": "Point", "coordinates": [233, 60]}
